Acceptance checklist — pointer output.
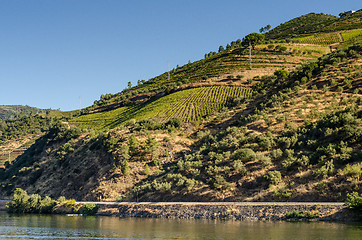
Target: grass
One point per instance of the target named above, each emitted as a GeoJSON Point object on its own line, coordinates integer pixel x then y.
{"type": "Point", "coordinates": [188, 105]}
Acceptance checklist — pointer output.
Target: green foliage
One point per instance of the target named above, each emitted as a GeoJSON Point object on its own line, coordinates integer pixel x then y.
{"type": "Point", "coordinates": [354, 170]}
{"type": "Point", "coordinates": [11, 129]}
{"type": "Point", "coordinates": [301, 214]}
{"type": "Point", "coordinates": [23, 203]}
{"type": "Point", "coordinates": [244, 155]}
{"type": "Point", "coordinates": [123, 153]}
{"type": "Point", "coordinates": [11, 112]}
{"type": "Point", "coordinates": [182, 106]}
{"type": "Point", "coordinates": [354, 201]}
{"type": "Point", "coordinates": [321, 39]}
{"type": "Point", "coordinates": [273, 177]}
{"type": "Point", "coordinates": [253, 39]}
{"type": "Point", "coordinates": [147, 170]}
{"type": "Point", "coordinates": [125, 167]}
{"type": "Point", "coordinates": [89, 209]}
{"type": "Point", "coordinates": [308, 23]}
{"type": "Point", "coordinates": [239, 167]}
{"type": "Point", "coordinates": [281, 74]}
{"type": "Point", "coordinates": [151, 147]}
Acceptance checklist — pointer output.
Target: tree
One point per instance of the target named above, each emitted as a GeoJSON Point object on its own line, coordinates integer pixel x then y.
{"type": "Point", "coordinates": [129, 84]}
{"type": "Point", "coordinates": [133, 145]}
{"type": "Point", "coordinates": [221, 48]}
{"type": "Point", "coordinates": [253, 39]}
{"type": "Point", "coordinates": [281, 74]}
{"type": "Point", "coordinates": [265, 29]}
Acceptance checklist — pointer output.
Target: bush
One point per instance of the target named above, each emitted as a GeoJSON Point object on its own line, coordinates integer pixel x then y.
{"type": "Point", "coordinates": [89, 209]}
{"type": "Point", "coordinates": [244, 155]}
{"type": "Point", "coordinates": [239, 167]}
{"type": "Point", "coordinates": [300, 214]}
{"type": "Point", "coordinates": [273, 177]}
{"type": "Point", "coordinates": [354, 201]}
{"type": "Point", "coordinates": [23, 203]}
{"type": "Point", "coordinates": [125, 167]}
{"type": "Point", "coordinates": [147, 170]}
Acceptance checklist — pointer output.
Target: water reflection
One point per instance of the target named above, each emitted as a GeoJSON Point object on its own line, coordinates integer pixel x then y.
{"type": "Point", "coordinates": [63, 227]}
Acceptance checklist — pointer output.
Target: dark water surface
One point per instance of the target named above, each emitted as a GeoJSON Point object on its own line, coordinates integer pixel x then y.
{"type": "Point", "coordinates": [77, 227]}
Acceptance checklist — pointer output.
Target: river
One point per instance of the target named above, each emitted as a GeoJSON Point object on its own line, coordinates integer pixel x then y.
{"type": "Point", "coordinates": [77, 227]}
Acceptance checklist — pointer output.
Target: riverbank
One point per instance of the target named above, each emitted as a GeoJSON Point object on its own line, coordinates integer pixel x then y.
{"type": "Point", "coordinates": [237, 211]}
{"type": "Point", "coordinates": [3, 205]}
{"type": "Point", "coordinates": [250, 211]}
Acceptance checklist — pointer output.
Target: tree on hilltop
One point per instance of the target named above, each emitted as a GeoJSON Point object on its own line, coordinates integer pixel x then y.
{"type": "Point", "coordinates": [265, 29]}
{"type": "Point", "coordinates": [253, 39]}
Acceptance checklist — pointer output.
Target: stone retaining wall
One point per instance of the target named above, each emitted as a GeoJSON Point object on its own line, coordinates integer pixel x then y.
{"type": "Point", "coordinates": [229, 211]}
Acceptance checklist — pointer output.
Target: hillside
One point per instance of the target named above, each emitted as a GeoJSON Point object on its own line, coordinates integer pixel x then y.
{"type": "Point", "coordinates": [288, 128]}
{"type": "Point", "coordinates": [315, 23]}
{"type": "Point", "coordinates": [227, 69]}
{"type": "Point", "coordinates": [13, 111]}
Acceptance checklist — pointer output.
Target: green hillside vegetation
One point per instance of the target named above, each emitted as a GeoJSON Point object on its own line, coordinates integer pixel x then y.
{"type": "Point", "coordinates": [187, 105]}
{"type": "Point", "coordinates": [288, 129]}
{"type": "Point", "coordinates": [14, 111]}
{"type": "Point", "coordinates": [19, 134]}
{"type": "Point", "coordinates": [331, 38]}
{"type": "Point", "coordinates": [297, 138]}
{"type": "Point", "coordinates": [306, 24]}
{"type": "Point", "coordinates": [214, 69]}
{"type": "Point", "coordinates": [315, 23]}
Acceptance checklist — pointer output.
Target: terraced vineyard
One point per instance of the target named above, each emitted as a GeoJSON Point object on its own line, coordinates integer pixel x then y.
{"type": "Point", "coordinates": [331, 38]}
{"type": "Point", "coordinates": [352, 35]}
{"type": "Point", "coordinates": [194, 104]}
{"type": "Point", "coordinates": [188, 105]}
{"type": "Point", "coordinates": [321, 39]}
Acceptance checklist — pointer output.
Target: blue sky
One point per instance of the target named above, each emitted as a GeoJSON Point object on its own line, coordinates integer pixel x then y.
{"type": "Point", "coordinates": [55, 52]}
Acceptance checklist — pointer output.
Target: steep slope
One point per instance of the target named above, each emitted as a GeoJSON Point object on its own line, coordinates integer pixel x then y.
{"type": "Point", "coordinates": [298, 139]}
{"type": "Point", "coordinates": [315, 23]}
{"type": "Point", "coordinates": [226, 70]}
{"type": "Point", "coordinates": [12, 111]}
{"type": "Point", "coordinates": [306, 24]}
{"type": "Point", "coordinates": [188, 105]}
{"type": "Point", "coordinates": [286, 128]}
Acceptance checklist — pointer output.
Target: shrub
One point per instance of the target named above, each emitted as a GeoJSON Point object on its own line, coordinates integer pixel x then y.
{"type": "Point", "coordinates": [23, 203]}
{"type": "Point", "coordinates": [354, 201]}
{"type": "Point", "coordinates": [125, 167]}
{"type": "Point", "coordinates": [89, 209]}
{"type": "Point", "coordinates": [147, 170]}
{"type": "Point", "coordinates": [161, 186]}
{"type": "Point", "coordinates": [354, 170]}
{"type": "Point", "coordinates": [239, 167]}
{"type": "Point", "coordinates": [174, 122]}
{"type": "Point", "coordinates": [133, 145]}
{"type": "Point", "coordinates": [300, 214]}
{"type": "Point", "coordinates": [244, 154]}
{"type": "Point", "coordinates": [325, 170]}
{"type": "Point", "coordinates": [273, 177]}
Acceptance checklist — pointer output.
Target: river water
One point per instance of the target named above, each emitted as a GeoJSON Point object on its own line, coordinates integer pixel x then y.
{"type": "Point", "coordinates": [77, 227]}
